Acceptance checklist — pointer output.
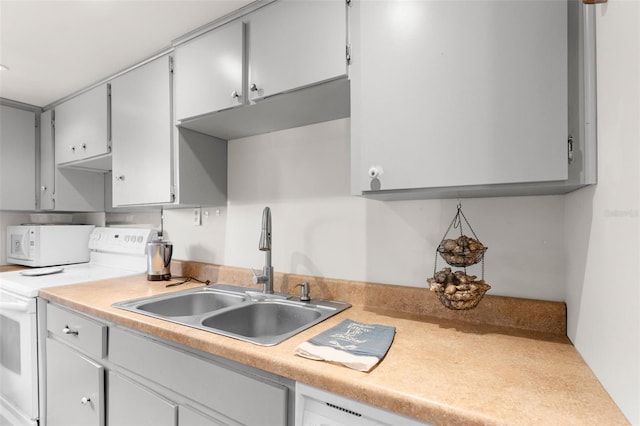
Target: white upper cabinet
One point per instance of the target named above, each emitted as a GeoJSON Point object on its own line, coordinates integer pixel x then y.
{"type": "Point", "coordinates": [293, 44]}
{"type": "Point", "coordinates": [82, 126]}
{"type": "Point", "coordinates": [47, 161]}
{"type": "Point", "coordinates": [459, 98]}
{"type": "Point", "coordinates": [141, 118]}
{"type": "Point", "coordinates": [153, 162]}
{"type": "Point", "coordinates": [228, 80]}
{"type": "Point", "coordinates": [17, 159]}
{"type": "Point", "coordinates": [63, 188]}
{"type": "Point", "coordinates": [208, 72]}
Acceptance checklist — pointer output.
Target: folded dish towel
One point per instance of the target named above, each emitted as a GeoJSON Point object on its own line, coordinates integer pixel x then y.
{"type": "Point", "coordinates": [353, 344]}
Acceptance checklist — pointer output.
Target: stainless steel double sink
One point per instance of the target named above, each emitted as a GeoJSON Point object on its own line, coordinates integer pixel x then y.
{"type": "Point", "coordinates": [238, 312]}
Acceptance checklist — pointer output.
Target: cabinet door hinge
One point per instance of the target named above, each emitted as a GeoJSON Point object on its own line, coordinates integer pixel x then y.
{"type": "Point", "coordinates": [570, 149]}
{"type": "Point", "coordinates": [348, 54]}
{"type": "Point", "coordinates": [171, 64]}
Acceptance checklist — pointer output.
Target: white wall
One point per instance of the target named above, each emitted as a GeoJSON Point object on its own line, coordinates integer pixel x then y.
{"type": "Point", "coordinates": [602, 224]}
{"type": "Point", "coordinates": [320, 229]}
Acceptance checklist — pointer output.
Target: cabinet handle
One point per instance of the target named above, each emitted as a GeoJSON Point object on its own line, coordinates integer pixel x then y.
{"type": "Point", "coordinates": [43, 188]}
{"type": "Point", "coordinates": [235, 94]}
{"type": "Point", "coordinates": [253, 87]}
{"type": "Point", "coordinates": [84, 146]}
{"type": "Point", "coordinates": [84, 400]}
{"type": "Point", "coordinates": [67, 330]}
{"type": "Point", "coordinates": [120, 178]}
{"type": "Point", "coordinates": [73, 149]}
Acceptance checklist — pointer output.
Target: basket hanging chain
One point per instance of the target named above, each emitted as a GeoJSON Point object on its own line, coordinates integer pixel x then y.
{"type": "Point", "coordinates": [457, 223]}
{"type": "Point", "coordinates": [466, 221]}
{"type": "Point", "coordinates": [472, 231]}
{"type": "Point", "coordinates": [452, 224]}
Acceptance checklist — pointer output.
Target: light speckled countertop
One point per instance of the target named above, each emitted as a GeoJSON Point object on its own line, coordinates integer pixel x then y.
{"type": "Point", "coordinates": [438, 370]}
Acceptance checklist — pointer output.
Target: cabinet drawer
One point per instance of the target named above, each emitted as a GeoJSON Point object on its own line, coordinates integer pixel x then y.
{"type": "Point", "coordinates": [246, 400]}
{"type": "Point", "coordinates": [78, 330]}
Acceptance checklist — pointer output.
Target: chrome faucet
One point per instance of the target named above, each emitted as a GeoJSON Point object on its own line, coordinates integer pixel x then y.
{"type": "Point", "coordinates": [266, 279]}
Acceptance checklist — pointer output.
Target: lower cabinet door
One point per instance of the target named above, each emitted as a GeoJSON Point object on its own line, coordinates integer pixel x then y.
{"type": "Point", "coordinates": [131, 404]}
{"type": "Point", "coordinates": [75, 388]}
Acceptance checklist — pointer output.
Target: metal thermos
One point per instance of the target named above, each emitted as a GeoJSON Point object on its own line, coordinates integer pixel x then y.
{"type": "Point", "coordinates": [159, 260]}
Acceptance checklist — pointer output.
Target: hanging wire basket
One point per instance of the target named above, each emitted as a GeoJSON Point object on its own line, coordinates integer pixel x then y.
{"type": "Point", "coordinates": [457, 290]}
{"type": "Point", "coordinates": [462, 251]}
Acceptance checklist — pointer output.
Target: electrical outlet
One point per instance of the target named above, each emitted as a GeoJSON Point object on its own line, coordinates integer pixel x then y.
{"type": "Point", "coordinates": [197, 217]}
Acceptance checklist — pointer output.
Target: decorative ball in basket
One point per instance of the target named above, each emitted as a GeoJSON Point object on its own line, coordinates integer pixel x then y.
{"type": "Point", "coordinates": [455, 289]}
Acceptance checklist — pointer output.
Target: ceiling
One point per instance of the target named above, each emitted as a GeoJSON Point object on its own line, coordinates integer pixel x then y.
{"type": "Point", "coordinates": [54, 48]}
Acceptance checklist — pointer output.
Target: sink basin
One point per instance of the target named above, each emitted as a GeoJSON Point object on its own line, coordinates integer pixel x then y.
{"type": "Point", "coordinates": [237, 312]}
{"type": "Point", "coordinates": [191, 304]}
{"type": "Point", "coordinates": [263, 319]}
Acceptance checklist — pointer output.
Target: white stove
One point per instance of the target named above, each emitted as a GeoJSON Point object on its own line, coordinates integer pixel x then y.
{"type": "Point", "coordinates": [114, 253]}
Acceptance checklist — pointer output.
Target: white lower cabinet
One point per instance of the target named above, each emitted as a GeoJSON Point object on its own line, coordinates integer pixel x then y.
{"type": "Point", "coordinates": [131, 404]}
{"type": "Point", "coordinates": [75, 388]}
{"type": "Point", "coordinates": [131, 379]}
{"type": "Point", "coordinates": [104, 374]}
{"type": "Point", "coordinates": [224, 392]}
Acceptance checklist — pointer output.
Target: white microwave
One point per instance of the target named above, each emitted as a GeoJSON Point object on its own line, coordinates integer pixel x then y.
{"type": "Point", "coordinates": [48, 245]}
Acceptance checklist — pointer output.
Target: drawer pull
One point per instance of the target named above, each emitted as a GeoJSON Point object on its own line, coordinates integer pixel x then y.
{"type": "Point", "coordinates": [85, 400]}
{"type": "Point", "coordinates": [67, 330]}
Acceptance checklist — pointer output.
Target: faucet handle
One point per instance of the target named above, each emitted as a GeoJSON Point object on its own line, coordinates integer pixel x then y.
{"type": "Point", "coordinates": [258, 279]}
{"type": "Point", "coordinates": [304, 291]}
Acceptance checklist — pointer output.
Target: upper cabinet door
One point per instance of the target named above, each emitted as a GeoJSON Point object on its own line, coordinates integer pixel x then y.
{"type": "Point", "coordinates": [82, 126]}
{"type": "Point", "coordinates": [17, 159]}
{"type": "Point", "coordinates": [62, 188]}
{"type": "Point", "coordinates": [480, 99]}
{"type": "Point", "coordinates": [47, 162]}
{"type": "Point", "coordinates": [141, 117]}
{"type": "Point", "coordinates": [293, 44]}
{"type": "Point", "coordinates": [209, 72]}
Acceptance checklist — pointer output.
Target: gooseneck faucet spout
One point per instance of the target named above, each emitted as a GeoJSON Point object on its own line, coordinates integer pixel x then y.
{"type": "Point", "coordinates": [266, 279]}
{"type": "Point", "coordinates": [265, 236]}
